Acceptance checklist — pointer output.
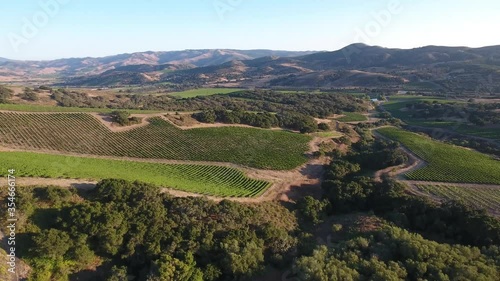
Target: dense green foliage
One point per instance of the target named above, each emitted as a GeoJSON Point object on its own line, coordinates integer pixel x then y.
{"type": "Point", "coordinates": [82, 133]}
{"type": "Point", "coordinates": [483, 197]}
{"type": "Point", "coordinates": [204, 92]}
{"type": "Point", "coordinates": [123, 118]}
{"type": "Point", "coordinates": [127, 228]}
{"type": "Point", "coordinates": [446, 162]}
{"type": "Point", "coordinates": [396, 254]}
{"type": "Point", "coordinates": [349, 190]}
{"type": "Point", "coordinates": [262, 120]}
{"type": "Point", "coordinates": [399, 106]}
{"type": "Point", "coordinates": [203, 179]}
{"type": "Point", "coordinates": [466, 118]}
{"type": "Point", "coordinates": [5, 94]}
{"type": "Point", "coordinates": [479, 114]}
{"type": "Point", "coordinates": [286, 120]}
{"type": "Point", "coordinates": [316, 105]}
{"type": "Point", "coordinates": [346, 186]}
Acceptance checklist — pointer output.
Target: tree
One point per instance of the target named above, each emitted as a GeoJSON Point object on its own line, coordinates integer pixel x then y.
{"type": "Point", "coordinates": [169, 268]}
{"type": "Point", "coordinates": [207, 116]}
{"type": "Point", "coordinates": [121, 117]}
{"type": "Point", "coordinates": [29, 94]}
{"type": "Point", "coordinates": [243, 258]}
{"type": "Point", "coordinates": [313, 210]}
{"type": "Point", "coordinates": [5, 94]}
{"type": "Point", "coordinates": [118, 273]}
{"type": "Point", "coordinates": [324, 127]}
{"type": "Point", "coordinates": [52, 243]}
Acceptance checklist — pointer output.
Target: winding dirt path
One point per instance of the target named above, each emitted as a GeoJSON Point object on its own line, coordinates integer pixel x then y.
{"type": "Point", "coordinates": [413, 163]}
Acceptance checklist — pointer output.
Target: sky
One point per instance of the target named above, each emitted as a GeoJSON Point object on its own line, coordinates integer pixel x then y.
{"type": "Point", "coordinates": [52, 29]}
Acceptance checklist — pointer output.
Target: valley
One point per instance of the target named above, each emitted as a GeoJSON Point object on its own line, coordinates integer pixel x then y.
{"type": "Point", "coordinates": [247, 165]}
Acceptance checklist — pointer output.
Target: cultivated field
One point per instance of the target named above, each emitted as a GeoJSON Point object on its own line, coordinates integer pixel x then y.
{"type": "Point", "coordinates": [483, 197]}
{"type": "Point", "coordinates": [204, 92]}
{"type": "Point", "coordinates": [46, 108]}
{"type": "Point", "coordinates": [202, 179]}
{"type": "Point", "coordinates": [446, 163]}
{"type": "Point", "coordinates": [352, 117]}
{"type": "Point", "coordinates": [82, 133]}
{"type": "Point", "coordinates": [490, 133]}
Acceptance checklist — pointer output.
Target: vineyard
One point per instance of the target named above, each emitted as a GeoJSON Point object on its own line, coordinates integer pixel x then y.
{"type": "Point", "coordinates": [48, 108]}
{"type": "Point", "coordinates": [445, 162]}
{"type": "Point", "coordinates": [82, 133]}
{"type": "Point", "coordinates": [202, 179]}
{"type": "Point", "coordinates": [483, 197]}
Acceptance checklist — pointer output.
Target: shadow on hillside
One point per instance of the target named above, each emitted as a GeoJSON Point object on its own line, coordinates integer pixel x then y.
{"type": "Point", "coordinates": [313, 171]}
{"type": "Point", "coordinates": [106, 117]}
{"type": "Point", "coordinates": [99, 273]}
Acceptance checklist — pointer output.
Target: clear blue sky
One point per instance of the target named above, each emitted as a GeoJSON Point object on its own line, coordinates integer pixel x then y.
{"type": "Point", "coordinates": [80, 28]}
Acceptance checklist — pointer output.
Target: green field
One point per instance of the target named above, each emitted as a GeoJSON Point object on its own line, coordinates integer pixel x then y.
{"type": "Point", "coordinates": [204, 92]}
{"type": "Point", "coordinates": [203, 179]}
{"type": "Point", "coordinates": [352, 117]}
{"type": "Point", "coordinates": [83, 133]}
{"type": "Point", "coordinates": [483, 197]}
{"type": "Point", "coordinates": [446, 163]}
{"type": "Point", "coordinates": [46, 108]}
{"type": "Point", "coordinates": [330, 134]}
{"type": "Point", "coordinates": [396, 105]}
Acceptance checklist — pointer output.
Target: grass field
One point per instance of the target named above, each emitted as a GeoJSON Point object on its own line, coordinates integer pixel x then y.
{"type": "Point", "coordinates": [45, 108]}
{"type": "Point", "coordinates": [83, 133]}
{"type": "Point", "coordinates": [330, 134]}
{"type": "Point", "coordinates": [203, 179]}
{"type": "Point", "coordinates": [446, 163]}
{"type": "Point", "coordinates": [352, 117]}
{"type": "Point", "coordinates": [204, 92]}
{"type": "Point", "coordinates": [483, 197]}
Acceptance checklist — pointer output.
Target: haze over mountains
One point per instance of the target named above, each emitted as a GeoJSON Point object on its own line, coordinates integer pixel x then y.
{"type": "Point", "coordinates": [93, 66]}
{"type": "Point", "coordinates": [358, 65]}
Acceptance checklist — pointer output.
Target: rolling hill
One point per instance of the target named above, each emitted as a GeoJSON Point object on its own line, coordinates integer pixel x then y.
{"type": "Point", "coordinates": [458, 69]}
{"type": "Point", "coordinates": [432, 68]}
{"type": "Point", "coordinates": [64, 68]}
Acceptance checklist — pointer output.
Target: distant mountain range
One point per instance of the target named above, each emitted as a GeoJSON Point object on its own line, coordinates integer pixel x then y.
{"type": "Point", "coordinates": [436, 68]}
{"type": "Point", "coordinates": [64, 68]}
{"type": "Point", "coordinates": [432, 67]}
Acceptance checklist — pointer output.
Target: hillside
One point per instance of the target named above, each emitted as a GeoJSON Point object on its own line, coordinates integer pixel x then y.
{"type": "Point", "coordinates": [432, 68]}
{"type": "Point", "coordinates": [29, 70]}
{"type": "Point", "coordinates": [458, 69]}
